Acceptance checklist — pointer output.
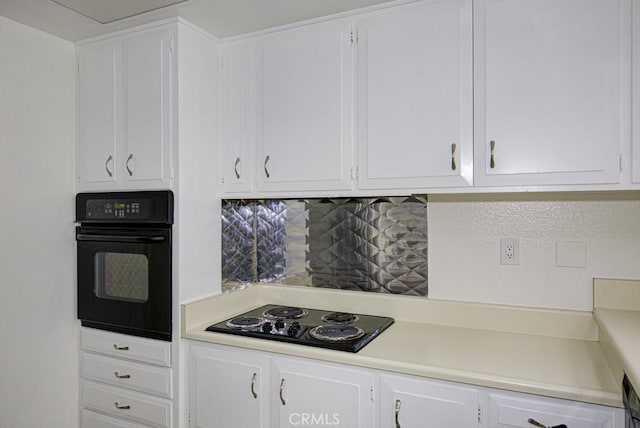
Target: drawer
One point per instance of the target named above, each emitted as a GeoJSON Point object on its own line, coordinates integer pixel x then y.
{"type": "Point", "coordinates": [126, 404]}
{"type": "Point", "coordinates": [96, 420]}
{"type": "Point", "coordinates": [125, 346]}
{"type": "Point", "coordinates": [127, 374]}
{"type": "Point", "coordinates": [515, 410]}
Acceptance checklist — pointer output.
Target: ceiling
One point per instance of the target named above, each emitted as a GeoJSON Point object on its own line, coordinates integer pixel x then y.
{"type": "Point", "coordinates": [221, 18]}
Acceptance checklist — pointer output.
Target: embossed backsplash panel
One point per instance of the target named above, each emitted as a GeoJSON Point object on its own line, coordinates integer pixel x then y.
{"type": "Point", "coordinates": [368, 244]}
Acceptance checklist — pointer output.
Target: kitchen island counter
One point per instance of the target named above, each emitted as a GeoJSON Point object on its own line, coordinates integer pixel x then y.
{"type": "Point", "coordinates": [538, 351]}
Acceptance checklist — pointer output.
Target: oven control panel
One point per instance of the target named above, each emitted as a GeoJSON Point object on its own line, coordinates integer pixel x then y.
{"type": "Point", "coordinates": [125, 207]}
{"type": "Point", "coordinates": [109, 209]}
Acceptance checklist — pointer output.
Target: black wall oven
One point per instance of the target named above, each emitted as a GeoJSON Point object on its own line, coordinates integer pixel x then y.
{"type": "Point", "coordinates": [124, 262]}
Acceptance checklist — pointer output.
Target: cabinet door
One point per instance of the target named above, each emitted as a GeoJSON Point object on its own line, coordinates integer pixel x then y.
{"type": "Point", "coordinates": [238, 116]}
{"type": "Point", "coordinates": [99, 89]}
{"type": "Point", "coordinates": [415, 96]}
{"type": "Point", "coordinates": [228, 388]}
{"type": "Point", "coordinates": [415, 402]}
{"type": "Point", "coordinates": [514, 411]}
{"type": "Point", "coordinates": [318, 394]}
{"type": "Point", "coordinates": [636, 90]}
{"type": "Point", "coordinates": [547, 97]}
{"type": "Point", "coordinates": [304, 95]}
{"type": "Point", "coordinates": [147, 105]}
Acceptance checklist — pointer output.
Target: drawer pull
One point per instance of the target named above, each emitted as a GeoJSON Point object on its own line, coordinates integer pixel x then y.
{"type": "Point", "coordinates": [541, 425]}
{"type": "Point", "coordinates": [122, 407]}
{"type": "Point", "coordinates": [253, 385]}
{"type": "Point", "coordinates": [120, 348]}
{"type": "Point", "coordinates": [398, 403]}
{"type": "Point", "coordinates": [121, 376]}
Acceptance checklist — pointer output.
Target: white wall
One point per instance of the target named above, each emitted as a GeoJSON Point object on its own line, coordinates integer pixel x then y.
{"type": "Point", "coordinates": [464, 247]}
{"type": "Point", "coordinates": [38, 355]}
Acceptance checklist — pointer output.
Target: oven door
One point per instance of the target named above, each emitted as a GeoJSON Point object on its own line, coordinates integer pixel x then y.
{"type": "Point", "coordinates": [124, 280]}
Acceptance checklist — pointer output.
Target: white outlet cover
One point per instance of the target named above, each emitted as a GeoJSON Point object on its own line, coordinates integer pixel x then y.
{"type": "Point", "coordinates": [505, 243]}
{"type": "Point", "coordinates": [571, 254]}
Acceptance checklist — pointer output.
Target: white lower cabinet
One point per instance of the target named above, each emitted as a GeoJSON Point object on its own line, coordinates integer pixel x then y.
{"type": "Point", "coordinates": [511, 410]}
{"type": "Point", "coordinates": [411, 402]}
{"type": "Point", "coordinates": [241, 388]}
{"type": "Point", "coordinates": [98, 420]}
{"type": "Point", "coordinates": [126, 381]}
{"type": "Point", "coordinates": [320, 394]}
{"type": "Point", "coordinates": [227, 388]}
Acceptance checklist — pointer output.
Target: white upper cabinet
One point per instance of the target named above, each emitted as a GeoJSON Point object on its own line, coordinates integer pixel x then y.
{"type": "Point", "coordinates": [304, 108]}
{"type": "Point", "coordinates": [147, 88]}
{"type": "Point", "coordinates": [635, 132]}
{"type": "Point", "coordinates": [99, 89]}
{"type": "Point", "coordinates": [124, 112]}
{"type": "Point", "coordinates": [238, 116]}
{"type": "Point", "coordinates": [415, 102]}
{"type": "Point", "coordinates": [547, 92]}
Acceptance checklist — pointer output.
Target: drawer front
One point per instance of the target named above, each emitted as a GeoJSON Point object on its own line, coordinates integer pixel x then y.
{"type": "Point", "coordinates": [126, 404]}
{"type": "Point", "coordinates": [96, 420]}
{"type": "Point", "coordinates": [516, 410]}
{"type": "Point", "coordinates": [125, 346]}
{"type": "Point", "coordinates": [126, 374]}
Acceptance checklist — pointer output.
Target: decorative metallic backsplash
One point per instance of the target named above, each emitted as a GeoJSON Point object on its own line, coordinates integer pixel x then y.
{"type": "Point", "coordinates": [368, 244]}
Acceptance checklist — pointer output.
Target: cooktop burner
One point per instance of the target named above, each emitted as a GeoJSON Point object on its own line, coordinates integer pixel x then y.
{"type": "Point", "coordinates": [312, 327]}
{"type": "Point", "coordinates": [284, 312]}
{"type": "Point", "coordinates": [340, 317]}
{"type": "Point", "coordinates": [336, 332]}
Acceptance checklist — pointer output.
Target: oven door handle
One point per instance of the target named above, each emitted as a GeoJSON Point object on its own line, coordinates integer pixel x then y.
{"type": "Point", "coordinates": [137, 239]}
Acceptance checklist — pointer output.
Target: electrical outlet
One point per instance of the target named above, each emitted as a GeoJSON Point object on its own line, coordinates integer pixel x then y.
{"type": "Point", "coordinates": [509, 251]}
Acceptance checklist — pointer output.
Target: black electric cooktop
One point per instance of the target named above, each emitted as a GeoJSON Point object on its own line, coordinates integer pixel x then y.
{"type": "Point", "coordinates": [312, 327]}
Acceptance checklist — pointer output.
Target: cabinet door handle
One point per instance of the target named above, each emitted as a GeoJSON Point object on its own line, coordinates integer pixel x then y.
{"type": "Point", "coordinates": [492, 145]}
{"type": "Point", "coordinates": [284, 403]}
{"type": "Point", "coordinates": [398, 403]}
{"type": "Point", "coordinates": [121, 376]}
{"type": "Point", "coordinates": [120, 348]}
{"type": "Point", "coordinates": [541, 425]}
{"type": "Point", "coordinates": [266, 162]}
{"type": "Point", "coordinates": [106, 165]}
{"type": "Point", "coordinates": [121, 407]}
{"type": "Point", "coordinates": [235, 168]}
{"type": "Point", "coordinates": [453, 157]}
{"type": "Point", "coordinates": [253, 385]}
{"type": "Point", "coordinates": [127, 165]}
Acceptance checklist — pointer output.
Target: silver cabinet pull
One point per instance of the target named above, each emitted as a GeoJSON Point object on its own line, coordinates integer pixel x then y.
{"type": "Point", "coordinates": [284, 403]}
{"type": "Point", "coordinates": [121, 376]}
{"type": "Point", "coordinates": [253, 385]}
{"type": "Point", "coordinates": [120, 348]}
{"type": "Point", "coordinates": [453, 157]}
{"type": "Point", "coordinates": [126, 164]}
{"type": "Point", "coordinates": [266, 171]}
{"type": "Point", "coordinates": [398, 403]}
{"type": "Point", "coordinates": [492, 145]}
{"type": "Point", "coordinates": [106, 165]}
{"type": "Point", "coordinates": [541, 425]}
{"type": "Point", "coordinates": [235, 168]}
{"type": "Point", "coordinates": [121, 407]}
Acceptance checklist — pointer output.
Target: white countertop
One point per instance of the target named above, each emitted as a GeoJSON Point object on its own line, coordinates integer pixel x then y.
{"type": "Point", "coordinates": [552, 364]}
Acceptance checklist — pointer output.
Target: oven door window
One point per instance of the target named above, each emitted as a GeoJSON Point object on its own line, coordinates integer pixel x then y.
{"type": "Point", "coordinates": [122, 276]}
